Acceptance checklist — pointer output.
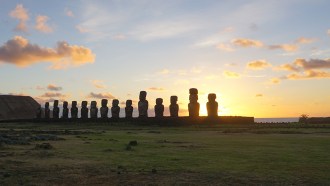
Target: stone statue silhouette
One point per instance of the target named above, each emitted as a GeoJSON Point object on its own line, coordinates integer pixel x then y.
{"type": "Point", "coordinates": [129, 109]}
{"type": "Point", "coordinates": [212, 105]}
{"type": "Point", "coordinates": [159, 108]}
{"type": "Point", "coordinates": [143, 105]}
{"type": "Point", "coordinates": [174, 107]}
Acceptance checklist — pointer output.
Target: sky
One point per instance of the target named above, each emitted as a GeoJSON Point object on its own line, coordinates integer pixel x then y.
{"type": "Point", "coordinates": [262, 58]}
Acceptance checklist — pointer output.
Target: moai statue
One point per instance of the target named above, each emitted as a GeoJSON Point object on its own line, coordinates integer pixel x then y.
{"type": "Point", "coordinates": [104, 109]}
{"type": "Point", "coordinates": [65, 111]}
{"type": "Point", "coordinates": [174, 107]}
{"type": "Point", "coordinates": [212, 106]}
{"type": "Point", "coordinates": [93, 110]}
{"type": "Point", "coordinates": [47, 110]}
{"type": "Point", "coordinates": [143, 105]}
{"type": "Point", "coordinates": [193, 106]}
{"type": "Point", "coordinates": [56, 110]}
{"type": "Point", "coordinates": [159, 108]}
{"type": "Point", "coordinates": [128, 109]}
{"type": "Point", "coordinates": [84, 110]}
{"type": "Point", "coordinates": [74, 110]}
{"type": "Point", "coordinates": [115, 109]}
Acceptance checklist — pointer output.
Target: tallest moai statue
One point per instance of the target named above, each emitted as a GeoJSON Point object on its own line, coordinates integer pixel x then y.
{"type": "Point", "coordinates": [143, 105]}
{"type": "Point", "coordinates": [193, 106]}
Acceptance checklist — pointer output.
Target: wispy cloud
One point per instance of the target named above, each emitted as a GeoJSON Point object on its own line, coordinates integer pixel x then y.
{"type": "Point", "coordinates": [259, 95]}
{"type": "Point", "coordinates": [106, 95]}
{"type": "Point", "coordinates": [258, 65]}
{"type": "Point", "coordinates": [225, 47]}
{"type": "Point", "coordinates": [20, 52]}
{"type": "Point", "coordinates": [308, 74]}
{"type": "Point", "coordinates": [243, 42]}
{"type": "Point", "coordinates": [53, 87]}
{"type": "Point", "coordinates": [99, 84]}
{"type": "Point", "coordinates": [41, 24]}
{"type": "Point", "coordinates": [285, 47]}
{"type": "Point", "coordinates": [304, 40]}
{"type": "Point", "coordinates": [229, 74]}
{"type": "Point", "coordinates": [275, 80]}
{"type": "Point", "coordinates": [156, 89]}
{"type": "Point", "coordinates": [22, 15]}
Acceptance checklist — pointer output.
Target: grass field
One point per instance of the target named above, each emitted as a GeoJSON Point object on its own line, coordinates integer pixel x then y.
{"type": "Point", "coordinates": [99, 154]}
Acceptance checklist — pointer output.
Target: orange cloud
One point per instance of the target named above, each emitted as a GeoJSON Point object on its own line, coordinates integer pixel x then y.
{"type": "Point", "coordinates": [303, 64]}
{"type": "Point", "coordinates": [20, 52]}
{"type": "Point", "coordinates": [225, 47]}
{"type": "Point", "coordinates": [21, 14]}
{"type": "Point", "coordinates": [106, 95]}
{"type": "Point", "coordinates": [230, 74]}
{"type": "Point", "coordinates": [81, 29]}
{"type": "Point", "coordinates": [53, 94]}
{"type": "Point", "coordinates": [156, 89]}
{"type": "Point", "coordinates": [242, 42]}
{"type": "Point", "coordinates": [258, 65]}
{"type": "Point", "coordinates": [259, 95]}
{"type": "Point", "coordinates": [275, 80]}
{"type": "Point", "coordinates": [285, 47]}
{"type": "Point", "coordinates": [304, 40]}
{"type": "Point", "coordinates": [309, 74]}
{"type": "Point", "coordinates": [54, 87]}
{"type": "Point", "coordinates": [98, 84]}
{"type": "Point", "coordinates": [41, 24]}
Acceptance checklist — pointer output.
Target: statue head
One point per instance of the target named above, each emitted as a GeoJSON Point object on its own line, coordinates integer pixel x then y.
{"type": "Point", "coordinates": [104, 102]}
{"type": "Point", "coordinates": [174, 99]}
{"type": "Point", "coordinates": [84, 104]}
{"type": "Point", "coordinates": [47, 105]}
{"type": "Point", "coordinates": [212, 97]}
{"type": "Point", "coordinates": [143, 95]}
{"type": "Point", "coordinates": [128, 103]}
{"type": "Point", "coordinates": [193, 91]}
{"type": "Point", "coordinates": [93, 104]}
{"type": "Point", "coordinates": [115, 102]}
{"type": "Point", "coordinates": [74, 104]}
{"type": "Point", "coordinates": [65, 104]}
{"type": "Point", "coordinates": [159, 101]}
{"type": "Point", "coordinates": [55, 103]}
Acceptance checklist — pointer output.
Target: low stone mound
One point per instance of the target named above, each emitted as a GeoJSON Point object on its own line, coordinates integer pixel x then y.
{"type": "Point", "coordinates": [17, 107]}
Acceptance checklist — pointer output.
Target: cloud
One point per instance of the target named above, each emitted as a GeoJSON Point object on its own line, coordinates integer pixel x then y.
{"type": "Point", "coordinates": [119, 37]}
{"type": "Point", "coordinates": [164, 71]}
{"type": "Point", "coordinates": [242, 42]}
{"type": "Point", "coordinates": [258, 64]}
{"type": "Point", "coordinates": [288, 67]}
{"type": "Point", "coordinates": [303, 64]}
{"type": "Point", "coordinates": [312, 63]}
{"type": "Point", "coordinates": [41, 24]}
{"type": "Point", "coordinates": [225, 47]}
{"type": "Point", "coordinates": [259, 95]}
{"type": "Point", "coordinates": [303, 40]}
{"type": "Point", "coordinates": [20, 52]}
{"type": "Point", "coordinates": [69, 13]}
{"type": "Point", "coordinates": [106, 95]}
{"type": "Point", "coordinates": [156, 89]}
{"type": "Point", "coordinates": [52, 87]}
{"type": "Point", "coordinates": [308, 74]}
{"type": "Point", "coordinates": [230, 74]}
{"type": "Point", "coordinates": [328, 32]}
{"type": "Point", "coordinates": [275, 80]}
{"type": "Point", "coordinates": [285, 47]}
{"type": "Point", "coordinates": [52, 95]}
{"type": "Point", "coordinates": [22, 15]}
{"type": "Point", "coordinates": [98, 84]}
{"type": "Point", "coordinates": [81, 29]}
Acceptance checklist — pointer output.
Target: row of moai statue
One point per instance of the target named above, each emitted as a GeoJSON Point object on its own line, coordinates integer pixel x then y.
{"type": "Point", "coordinates": [193, 107]}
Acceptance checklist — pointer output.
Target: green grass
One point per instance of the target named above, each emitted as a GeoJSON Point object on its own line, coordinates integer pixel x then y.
{"type": "Point", "coordinates": [195, 155]}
